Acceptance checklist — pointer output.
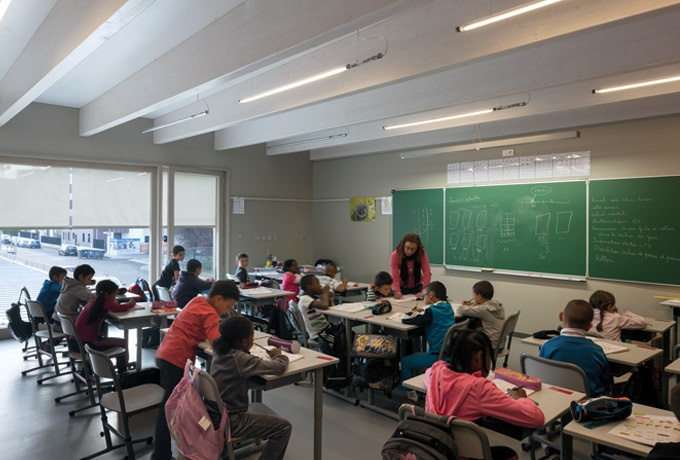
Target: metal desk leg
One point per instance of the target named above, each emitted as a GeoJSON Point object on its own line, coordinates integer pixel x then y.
{"type": "Point", "coordinates": [566, 443]}
{"type": "Point", "coordinates": [139, 346]}
{"type": "Point", "coordinates": [318, 411]}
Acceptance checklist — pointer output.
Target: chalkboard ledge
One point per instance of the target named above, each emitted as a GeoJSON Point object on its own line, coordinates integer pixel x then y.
{"type": "Point", "coordinates": [549, 276]}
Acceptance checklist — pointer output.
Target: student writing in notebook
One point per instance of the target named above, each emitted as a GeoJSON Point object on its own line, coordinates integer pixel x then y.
{"type": "Point", "coordinates": [232, 368]}
{"type": "Point", "coordinates": [460, 388]}
{"type": "Point", "coordinates": [607, 318]}
{"type": "Point", "coordinates": [572, 346]}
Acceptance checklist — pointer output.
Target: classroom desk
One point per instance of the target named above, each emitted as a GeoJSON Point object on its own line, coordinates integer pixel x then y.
{"type": "Point", "coordinates": [600, 435]}
{"type": "Point", "coordinates": [675, 309]}
{"type": "Point", "coordinates": [553, 400]}
{"type": "Point", "coordinates": [312, 361]}
{"type": "Point", "coordinates": [662, 327]}
{"type": "Point", "coordinates": [672, 371]}
{"type": "Point", "coordinates": [137, 318]}
{"type": "Point", "coordinates": [261, 296]}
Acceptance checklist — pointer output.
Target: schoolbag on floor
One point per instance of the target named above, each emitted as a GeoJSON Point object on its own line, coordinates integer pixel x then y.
{"type": "Point", "coordinates": [375, 362]}
{"type": "Point", "coordinates": [421, 438]}
{"type": "Point", "coordinates": [21, 330]}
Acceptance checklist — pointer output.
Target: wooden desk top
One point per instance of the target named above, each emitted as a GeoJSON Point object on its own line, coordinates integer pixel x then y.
{"type": "Point", "coordinates": [674, 367]}
{"type": "Point", "coordinates": [139, 313]}
{"type": "Point", "coordinates": [264, 293]}
{"type": "Point", "coordinates": [658, 325]}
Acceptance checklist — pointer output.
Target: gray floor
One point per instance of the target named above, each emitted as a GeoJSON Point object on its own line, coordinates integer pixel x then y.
{"type": "Point", "coordinates": [34, 427]}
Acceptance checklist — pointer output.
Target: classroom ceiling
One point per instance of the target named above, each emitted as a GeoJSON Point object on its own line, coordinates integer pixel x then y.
{"type": "Point", "coordinates": [165, 60]}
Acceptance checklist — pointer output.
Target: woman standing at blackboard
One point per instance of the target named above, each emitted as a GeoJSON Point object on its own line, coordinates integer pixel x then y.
{"type": "Point", "coordinates": [409, 266]}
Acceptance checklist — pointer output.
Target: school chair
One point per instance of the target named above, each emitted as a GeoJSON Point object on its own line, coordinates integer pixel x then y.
{"type": "Point", "coordinates": [449, 334]}
{"type": "Point", "coordinates": [125, 403]}
{"type": "Point", "coordinates": [163, 294]}
{"type": "Point", "coordinates": [44, 342]}
{"type": "Point", "coordinates": [84, 376]}
{"type": "Point", "coordinates": [565, 375]}
{"type": "Point", "coordinates": [502, 345]}
{"type": "Point", "coordinates": [299, 324]}
{"type": "Point", "coordinates": [471, 440]}
{"type": "Point", "coordinates": [676, 352]}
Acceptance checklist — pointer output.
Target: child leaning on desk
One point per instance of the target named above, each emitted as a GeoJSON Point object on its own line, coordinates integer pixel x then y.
{"type": "Point", "coordinates": [461, 388]}
{"type": "Point", "coordinates": [381, 287]}
{"type": "Point", "coordinates": [608, 319]}
{"type": "Point", "coordinates": [668, 450]}
{"type": "Point", "coordinates": [572, 346]}
{"type": "Point", "coordinates": [483, 307]}
{"type": "Point", "coordinates": [232, 367]}
{"type": "Point", "coordinates": [90, 319]}
{"type": "Point", "coordinates": [328, 278]}
{"type": "Point", "coordinates": [436, 318]}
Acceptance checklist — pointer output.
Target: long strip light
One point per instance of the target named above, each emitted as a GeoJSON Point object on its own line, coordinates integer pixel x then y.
{"type": "Point", "coordinates": [532, 139]}
{"type": "Point", "coordinates": [4, 4]}
{"type": "Point", "coordinates": [641, 84]}
{"type": "Point", "coordinates": [307, 141]}
{"type": "Point", "coordinates": [175, 122]}
{"type": "Point", "coordinates": [506, 15]}
{"type": "Point", "coordinates": [453, 117]}
{"type": "Point", "coordinates": [312, 79]}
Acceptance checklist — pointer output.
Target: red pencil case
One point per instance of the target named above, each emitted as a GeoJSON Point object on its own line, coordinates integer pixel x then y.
{"type": "Point", "coordinates": [517, 378]}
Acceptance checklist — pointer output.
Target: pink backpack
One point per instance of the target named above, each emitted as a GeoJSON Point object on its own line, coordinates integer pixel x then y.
{"type": "Point", "coordinates": [189, 421]}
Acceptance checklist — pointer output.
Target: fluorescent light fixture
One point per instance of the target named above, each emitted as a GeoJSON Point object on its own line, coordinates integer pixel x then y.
{"type": "Point", "coordinates": [506, 15]}
{"type": "Point", "coordinates": [4, 4]}
{"type": "Point", "coordinates": [295, 84]}
{"type": "Point", "coordinates": [115, 179]}
{"type": "Point", "coordinates": [306, 141]}
{"type": "Point", "coordinates": [492, 143]}
{"type": "Point", "coordinates": [175, 122]}
{"type": "Point", "coordinates": [641, 84]}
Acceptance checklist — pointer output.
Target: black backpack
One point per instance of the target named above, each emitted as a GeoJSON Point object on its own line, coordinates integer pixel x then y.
{"type": "Point", "coordinates": [421, 438]}
{"type": "Point", "coordinates": [21, 330]}
{"type": "Point", "coordinates": [375, 362]}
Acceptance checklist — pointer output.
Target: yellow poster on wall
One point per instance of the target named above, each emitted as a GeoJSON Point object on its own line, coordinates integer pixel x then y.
{"type": "Point", "coordinates": [362, 209]}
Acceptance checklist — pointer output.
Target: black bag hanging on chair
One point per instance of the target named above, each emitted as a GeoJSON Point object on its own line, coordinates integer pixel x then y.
{"type": "Point", "coordinates": [21, 330]}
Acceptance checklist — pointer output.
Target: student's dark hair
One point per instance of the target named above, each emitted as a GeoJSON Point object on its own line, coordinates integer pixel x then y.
{"type": "Point", "coordinates": [578, 314]}
{"type": "Point", "coordinates": [103, 288]}
{"type": "Point", "coordinates": [306, 281]}
{"type": "Point", "coordinates": [330, 264]}
{"type": "Point", "coordinates": [56, 271]}
{"type": "Point", "coordinates": [233, 331]}
{"type": "Point", "coordinates": [382, 278]}
{"type": "Point", "coordinates": [241, 255]}
{"type": "Point", "coordinates": [411, 238]}
{"type": "Point", "coordinates": [177, 249]}
{"type": "Point", "coordinates": [287, 264]}
{"type": "Point", "coordinates": [224, 288]}
{"type": "Point", "coordinates": [601, 300]}
{"type": "Point", "coordinates": [82, 270]}
{"type": "Point", "coordinates": [463, 345]}
{"type": "Point", "coordinates": [438, 289]}
{"type": "Point", "coordinates": [193, 265]}
{"type": "Point", "coordinates": [483, 288]}
{"type": "Point", "coordinates": [675, 401]}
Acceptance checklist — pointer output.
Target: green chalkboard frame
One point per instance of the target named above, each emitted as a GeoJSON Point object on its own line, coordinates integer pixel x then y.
{"type": "Point", "coordinates": [422, 212]}
{"type": "Point", "coordinates": [633, 230]}
{"type": "Point", "coordinates": [532, 228]}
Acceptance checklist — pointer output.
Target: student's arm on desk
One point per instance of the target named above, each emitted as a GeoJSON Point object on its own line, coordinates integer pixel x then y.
{"type": "Point", "coordinates": [325, 300]}
{"type": "Point", "coordinates": [255, 365]}
{"type": "Point", "coordinates": [422, 319]}
{"type": "Point", "coordinates": [521, 412]}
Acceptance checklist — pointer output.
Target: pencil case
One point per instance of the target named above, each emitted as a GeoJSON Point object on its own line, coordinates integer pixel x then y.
{"type": "Point", "coordinates": [291, 346]}
{"type": "Point", "coordinates": [517, 378]}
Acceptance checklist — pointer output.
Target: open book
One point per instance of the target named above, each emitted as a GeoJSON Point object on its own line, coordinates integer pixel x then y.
{"type": "Point", "coordinates": [608, 347]}
{"type": "Point", "coordinates": [260, 353]}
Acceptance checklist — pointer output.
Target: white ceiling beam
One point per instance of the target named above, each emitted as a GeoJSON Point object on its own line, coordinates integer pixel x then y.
{"type": "Point", "coordinates": [251, 37]}
{"type": "Point", "coordinates": [71, 31]}
{"type": "Point", "coordinates": [645, 43]}
{"type": "Point", "coordinates": [421, 41]}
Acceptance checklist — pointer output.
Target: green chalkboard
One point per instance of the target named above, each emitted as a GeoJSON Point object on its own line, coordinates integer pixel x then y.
{"type": "Point", "coordinates": [421, 212]}
{"type": "Point", "coordinates": [535, 228]}
{"type": "Point", "coordinates": [633, 230]}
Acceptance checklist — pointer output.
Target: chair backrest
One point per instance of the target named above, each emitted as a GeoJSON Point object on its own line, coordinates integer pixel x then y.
{"type": "Point", "coordinates": [207, 388]}
{"type": "Point", "coordinates": [163, 294]}
{"type": "Point", "coordinates": [676, 352]}
{"type": "Point", "coordinates": [299, 322]}
{"type": "Point", "coordinates": [471, 440]}
{"type": "Point", "coordinates": [36, 310]}
{"type": "Point", "coordinates": [102, 365]}
{"type": "Point", "coordinates": [449, 334]}
{"type": "Point", "coordinates": [322, 262]}
{"type": "Point", "coordinates": [507, 330]}
{"type": "Point", "coordinates": [566, 375]}
{"type": "Point", "coordinates": [144, 286]}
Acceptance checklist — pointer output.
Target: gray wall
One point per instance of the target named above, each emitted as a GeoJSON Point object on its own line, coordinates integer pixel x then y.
{"type": "Point", "coordinates": [633, 149]}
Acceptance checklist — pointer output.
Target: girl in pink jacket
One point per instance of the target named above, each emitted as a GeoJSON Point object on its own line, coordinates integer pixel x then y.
{"type": "Point", "coordinates": [460, 388]}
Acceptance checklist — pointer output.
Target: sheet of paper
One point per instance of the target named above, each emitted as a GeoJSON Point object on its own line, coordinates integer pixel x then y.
{"type": "Point", "coordinates": [453, 173]}
{"type": "Point", "coordinates": [648, 429]}
{"type": "Point", "coordinates": [260, 353]}
{"type": "Point", "coordinates": [507, 386]}
{"type": "Point", "coordinates": [609, 348]}
{"type": "Point", "coordinates": [352, 307]}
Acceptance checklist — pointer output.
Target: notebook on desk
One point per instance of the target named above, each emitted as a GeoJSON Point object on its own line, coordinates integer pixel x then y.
{"type": "Point", "coordinates": [648, 429]}
{"type": "Point", "coordinates": [352, 307]}
{"type": "Point", "coordinates": [609, 348]}
{"type": "Point", "coordinates": [262, 354]}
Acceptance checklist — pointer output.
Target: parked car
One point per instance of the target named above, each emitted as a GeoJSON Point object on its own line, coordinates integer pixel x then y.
{"type": "Point", "coordinates": [67, 250]}
{"type": "Point", "coordinates": [34, 244]}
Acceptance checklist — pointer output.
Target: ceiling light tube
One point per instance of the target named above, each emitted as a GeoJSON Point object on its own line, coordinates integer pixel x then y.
{"type": "Point", "coordinates": [306, 141]}
{"type": "Point", "coordinates": [641, 84]}
{"type": "Point", "coordinates": [531, 139]}
{"type": "Point", "coordinates": [175, 122]}
{"type": "Point", "coordinates": [506, 15]}
{"type": "Point", "coordinates": [295, 84]}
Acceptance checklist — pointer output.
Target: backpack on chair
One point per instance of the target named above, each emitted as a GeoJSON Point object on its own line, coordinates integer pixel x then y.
{"type": "Point", "coordinates": [21, 330]}
{"type": "Point", "coordinates": [421, 438]}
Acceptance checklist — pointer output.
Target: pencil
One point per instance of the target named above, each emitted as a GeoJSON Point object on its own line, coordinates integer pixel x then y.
{"type": "Point", "coordinates": [261, 346]}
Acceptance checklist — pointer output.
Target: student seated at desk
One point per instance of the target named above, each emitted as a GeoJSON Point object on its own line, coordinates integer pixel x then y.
{"type": "Point", "coordinates": [461, 388]}
{"type": "Point", "coordinates": [436, 318]}
{"type": "Point", "coordinates": [482, 306]}
{"type": "Point", "coordinates": [242, 270]}
{"type": "Point", "coordinates": [90, 319]}
{"type": "Point", "coordinates": [608, 319]}
{"type": "Point", "coordinates": [314, 299]}
{"type": "Point", "coordinates": [291, 279]}
{"type": "Point", "coordinates": [198, 321]}
{"type": "Point", "coordinates": [381, 287]}
{"type": "Point", "coordinates": [189, 284]}
{"type": "Point", "coordinates": [669, 450]}
{"type": "Point", "coordinates": [51, 288]}
{"type": "Point", "coordinates": [232, 368]}
{"type": "Point", "coordinates": [74, 292]}
{"type": "Point", "coordinates": [330, 270]}
{"type": "Point", "coordinates": [572, 346]}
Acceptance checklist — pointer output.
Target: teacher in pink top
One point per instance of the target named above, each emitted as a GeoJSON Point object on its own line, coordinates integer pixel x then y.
{"type": "Point", "coordinates": [409, 267]}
